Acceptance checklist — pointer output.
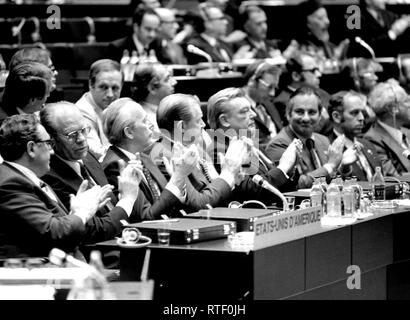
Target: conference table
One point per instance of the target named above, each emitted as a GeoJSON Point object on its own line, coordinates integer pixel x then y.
{"type": "Point", "coordinates": [315, 263]}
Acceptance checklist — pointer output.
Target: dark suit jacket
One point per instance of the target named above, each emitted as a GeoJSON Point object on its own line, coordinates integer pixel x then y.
{"type": "Point", "coordinates": [264, 133]}
{"type": "Point", "coordinates": [389, 151]}
{"type": "Point", "coordinates": [280, 143]}
{"type": "Point", "coordinates": [247, 189]}
{"type": "Point", "coordinates": [32, 224]}
{"type": "Point", "coordinates": [168, 204]}
{"type": "Point", "coordinates": [165, 56]}
{"type": "Point", "coordinates": [371, 155]}
{"type": "Point", "coordinates": [260, 53]}
{"type": "Point", "coordinates": [199, 191]}
{"type": "Point", "coordinates": [204, 45]}
{"type": "Point", "coordinates": [117, 47]}
{"type": "Point", "coordinates": [376, 35]}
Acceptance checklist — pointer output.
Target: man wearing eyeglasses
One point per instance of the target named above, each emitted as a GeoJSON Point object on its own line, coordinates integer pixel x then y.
{"type": "Point", "coordinates": [72, 163]}
{"type": "Point", "coordinates": [212, 28]}
{"type": "Point", "coordinates": [302, 70]}
{"type": "Point", "coordinates": [34, 220]}
{"type": "Point", "coordinates": [167, 51]}
{"type": "Point", "coordinates": [262, 80]}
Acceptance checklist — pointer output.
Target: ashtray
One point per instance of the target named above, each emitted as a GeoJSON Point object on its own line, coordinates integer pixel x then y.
{"type": "Point", "coordinates": [132, 238]}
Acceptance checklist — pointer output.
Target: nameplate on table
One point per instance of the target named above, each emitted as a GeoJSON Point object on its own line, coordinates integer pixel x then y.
{"type": "Point", "coordinates": [287, 226]}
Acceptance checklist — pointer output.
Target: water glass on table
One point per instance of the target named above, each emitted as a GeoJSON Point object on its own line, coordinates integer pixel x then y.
{"type": "Point", "coordinates": [164, 235]}
{"type": "Point", "coordinates": [291, 203]}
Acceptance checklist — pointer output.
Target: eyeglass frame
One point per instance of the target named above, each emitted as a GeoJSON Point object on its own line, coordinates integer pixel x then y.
{"type": "Point", "coordinates": [312, 70]}
{"type": "Point", "coordinates": [50, 142]}
{"type": "Point", "coordinates": [73, 135]}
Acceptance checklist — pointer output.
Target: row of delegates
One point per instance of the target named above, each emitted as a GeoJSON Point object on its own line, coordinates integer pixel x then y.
{"type": "Point", "coordinates": [72, 163]}
{"type": "Point", "coordinates": [34, 220]}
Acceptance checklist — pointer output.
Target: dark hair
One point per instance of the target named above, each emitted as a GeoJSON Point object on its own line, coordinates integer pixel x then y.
{"type": "Point", "coordinates": [26, 81]}
{"type": "Point", "coordinates": [303, 91]}
{"type": "Point", "coordinates": [246, 13]}
{"type": "Point", "coordinates": [29, 54]}
{"type": "Point", "coordinates": [15, 132]}
{"type": "Point", "coordinates": [144, 75]}
{"type": "Point", "coordinates": [103, 65]}
{"type": "Point", "coordinates": [140, 12]}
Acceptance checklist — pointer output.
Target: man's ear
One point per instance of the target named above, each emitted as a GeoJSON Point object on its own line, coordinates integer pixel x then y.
{"type": "Point", "coordinates": [296, 76]}
{"type": "Point", "coordinates": [128, 133]}
{"type": "Point", "coordinates": [223, 120]}
{"type": "Point", "coordinates": [30, 149]}
{"type": "Point", "coordinates": [337, 117]}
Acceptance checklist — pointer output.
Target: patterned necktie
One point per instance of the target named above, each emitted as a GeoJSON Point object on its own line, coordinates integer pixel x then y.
{"type": "Point", "coordinates": [153, 186]}
{"type": "Point", "coordinates": [310, 145]}
{"type": "Point", "coordinates": [205, 170]}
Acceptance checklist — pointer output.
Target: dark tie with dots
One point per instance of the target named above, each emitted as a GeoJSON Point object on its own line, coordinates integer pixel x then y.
{"type": "Point", "coordinates": [205, 170]}
{"type": "Point", "coordinates": [152, 184]}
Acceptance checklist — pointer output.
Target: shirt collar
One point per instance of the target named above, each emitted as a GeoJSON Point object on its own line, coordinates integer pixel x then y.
{"type": "Point", "coordinates": [75, 165]}
{"type": "Point", "coordinates": [27, 172]}
{"type": "Point", "coordinates": [395, 133]}
{"type": "Point", "coordinates": [130, 155]}
{"type": "Point", "coordinates": [211, 40]}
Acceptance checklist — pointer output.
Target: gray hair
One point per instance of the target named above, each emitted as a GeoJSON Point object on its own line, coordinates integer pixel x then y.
{"type": "Point", "coordinates": [116, 117]}
{"type": "Point", "coordinates": [385, 96]}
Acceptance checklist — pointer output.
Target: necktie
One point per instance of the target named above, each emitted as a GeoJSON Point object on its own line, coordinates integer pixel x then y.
{"type": "Point", "coordinates": [50, 193]}
{"type": "Point", "coordinates": [364, 164]}
{"type": "Point", "coordinates": [222, 53]}
{"type": "Point", "coordinates": [153, 186]}
{"type": "Point", "coordinates": [310, 145]}
{"type": "Point", "coordinates": [86, 176]}
{"type": "Point", "coordinates": [205, 170]}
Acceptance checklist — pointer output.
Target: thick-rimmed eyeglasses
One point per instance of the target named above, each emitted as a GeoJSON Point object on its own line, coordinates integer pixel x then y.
{"type": "Point", "coordinates": [73, 136]}
{"type": "Point", "coordinates": [313, 70]}
{"type": "Point", "coordinates": [49, 143]}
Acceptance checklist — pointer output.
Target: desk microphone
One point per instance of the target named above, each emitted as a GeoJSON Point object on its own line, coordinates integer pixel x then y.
{"type": "Point", "coordinates": [195, 50]}
{"type": "Point", "coordinates": [266, 185]}
{"type": "Point", "coordinates": [406, 154]}
{"type": "Point", "coordinates": [365, 45]}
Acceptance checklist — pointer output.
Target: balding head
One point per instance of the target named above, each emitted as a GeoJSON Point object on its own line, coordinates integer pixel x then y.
{"type": "Point", "coordinates": [67, 126]}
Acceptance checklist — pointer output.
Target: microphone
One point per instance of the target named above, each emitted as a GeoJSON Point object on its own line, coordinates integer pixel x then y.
{"type": "Point", "coordinates": [365, 45]}
{"type": "Point", "coordinates": [406, 154]}
{"type": "Point", "coordinates": [266, 185]}
{"type": "Point", "coordinates": [195, 50]}
{"type": "Point", "coordinates": [59, 258]}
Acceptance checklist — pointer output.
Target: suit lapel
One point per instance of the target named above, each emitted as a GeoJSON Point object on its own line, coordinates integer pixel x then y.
{"type": "Point", "coordinates": [70, 177]}
{"type": "Point", "coordinates": [153, 169]}
{"type": "Point", "coordinates": [274, 114]}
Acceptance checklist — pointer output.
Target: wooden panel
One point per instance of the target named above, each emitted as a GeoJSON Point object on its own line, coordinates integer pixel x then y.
{"type": "Point", "coordinates": [372, 243]}
{"type": "Point", "coordinates": [279, 270]}
{"type": "Point", "coordinates": [373, 287]}
{"type": "Point", "coordinates": [327, 257]}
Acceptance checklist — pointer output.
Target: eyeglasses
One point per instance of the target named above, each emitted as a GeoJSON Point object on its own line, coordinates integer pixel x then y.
{"type": "Point", "coordinates": [169, 22]}
{"type": "Point", "coordinates": [73, 136]}
{"type": "Point", "coordinates": [50, 143]}
{"type": "Point", "coordinates": [313, 70]}
{"type": "Point", "coordinates": [268, 85]}
{"type": "Point", "coordinates": [217, 18]}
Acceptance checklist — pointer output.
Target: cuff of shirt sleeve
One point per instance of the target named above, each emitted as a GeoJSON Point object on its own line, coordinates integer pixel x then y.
{"type": "Point", "coordinates": [181, 195]}
{"type": "Point", "coordinates": [283, 171]}
{"type": "Point", "coordinates": [228, 178]}
{"type": "Point", "coordinates": [329, 168]}
{"type": "Point", "coordinates": [392, 35]}
{"type": "Point", "coordinates": [127, 205]}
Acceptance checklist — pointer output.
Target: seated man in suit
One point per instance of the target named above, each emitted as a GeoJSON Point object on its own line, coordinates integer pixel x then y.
{"type": "Point", "coordinates": [180, 119]}
{"type": "Point", "coordinates": [131, 134]}
{"type": "Point", "coordinates": [105, 82]}
{"type": "Point", "coordinates": [346, 109]}
{"type": "Point", "coordinates": [262, 79]}
{"type": "Point", "coordinates": [151, 83]}
{"type": "Point", "coordinates": [391, 104]}
{"type": "Point", "coordinates": [255, 45]}
{"type": "Point", "coordinates": [72, 163]}
{"type": "Point", "coordinates": [27, 87]}
{"type": "Point", "coordinates": [230, 115]}
{"type": "Point", "coordinates": [34, 220]}
{"type": "Point", "coordinates": [317, 157]}
{"type": "Point", "coordinates": [167, 51]}
{"type": "Point", "coordinates": [212, 27]}
{"type": "Point", "coordinates": [145, 23]}
{"type": "Point", "coordinates": [302, 70]}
